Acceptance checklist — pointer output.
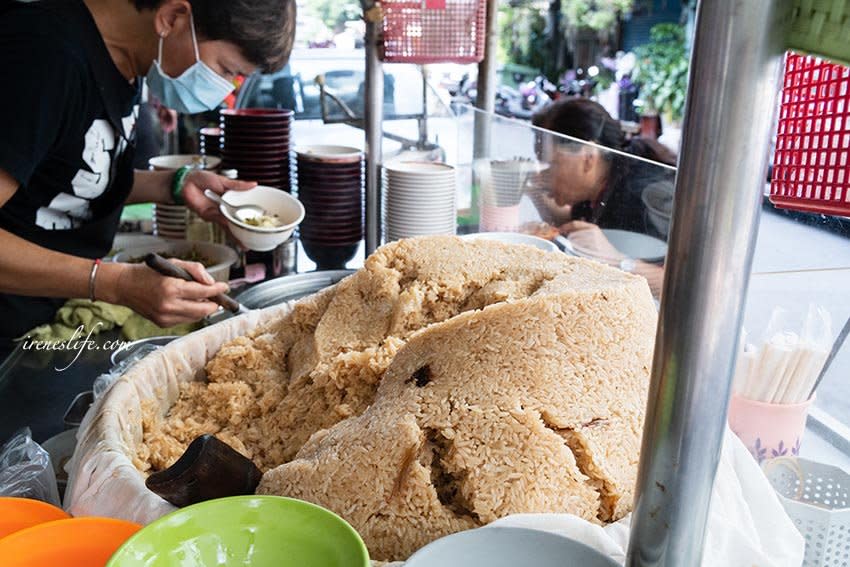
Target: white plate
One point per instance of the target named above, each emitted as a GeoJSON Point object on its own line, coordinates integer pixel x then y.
{"type": "Point", "coordinates": [507, 547]}
{"type": "Point", "coordinates": [431, 205]}
{"type": "Point", "coordinates": [514, 238]}
{"type": "Point", "coordinates": [422, 188]}
{"type": "Point", "coordinates": [636, 245]}
{"type": "Point", "coordinates": [420, 214]}
{"type": "Point", "coordinates": [420, 167]}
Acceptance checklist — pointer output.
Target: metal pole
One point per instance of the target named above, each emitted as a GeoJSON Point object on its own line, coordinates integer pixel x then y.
{"type": "Point", "coordinates": [485, 98]}
{"type": "Point", "coordinates": [373, 116]}
{"type": "Point", "coordinates": [734, 82]}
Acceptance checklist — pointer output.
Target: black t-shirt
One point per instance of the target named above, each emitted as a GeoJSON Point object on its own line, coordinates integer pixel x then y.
{"type": "Point", "coordinates": [623, 207]}
{"type": "Point", "coordinates": [67, 122]}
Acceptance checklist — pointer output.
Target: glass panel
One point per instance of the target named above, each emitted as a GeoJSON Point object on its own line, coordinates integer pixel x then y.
{"type": "Point", "coordinates": [610, 205]}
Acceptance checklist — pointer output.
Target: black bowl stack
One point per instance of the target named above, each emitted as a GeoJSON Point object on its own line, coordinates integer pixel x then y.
{"type": "Point", "coordinates": [210, 141]}
{"type": "Point", "coordinates": [257, 143]}
{"type": "Point", "coordinates": [330, 186]}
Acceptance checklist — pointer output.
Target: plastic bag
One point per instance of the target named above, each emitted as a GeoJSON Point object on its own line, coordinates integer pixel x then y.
{"type": "Point", "coordinates": [26, 471]}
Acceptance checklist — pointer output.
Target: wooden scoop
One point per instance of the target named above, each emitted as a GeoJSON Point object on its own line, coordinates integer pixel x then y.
{"type": "Point", "coordinates": [208, 469]}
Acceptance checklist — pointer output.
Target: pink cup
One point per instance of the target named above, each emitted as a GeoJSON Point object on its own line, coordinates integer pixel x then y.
{"type": "Point", "coordinates": [768, 430]}
{"type": "Point", "coordinates": [499, 219]}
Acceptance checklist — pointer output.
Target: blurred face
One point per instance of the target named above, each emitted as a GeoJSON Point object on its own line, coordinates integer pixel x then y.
{"type": "Point", "coordinates": [577, 173]}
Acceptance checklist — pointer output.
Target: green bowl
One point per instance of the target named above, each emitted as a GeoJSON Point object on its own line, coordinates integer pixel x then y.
{"type": "Point", "coordinates": [260, 531]}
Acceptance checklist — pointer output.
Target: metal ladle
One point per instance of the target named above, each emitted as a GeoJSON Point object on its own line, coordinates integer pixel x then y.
{"type": "Point", "coordinates": [241, 212]}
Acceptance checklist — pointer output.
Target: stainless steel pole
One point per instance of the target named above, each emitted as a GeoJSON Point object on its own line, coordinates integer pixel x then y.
{"type": "Point", "coordinates": [485, 98]}
{"type": "Point", "coordinates": [373, 117]}
{"type": "Point", "coordinates": [734, 83]}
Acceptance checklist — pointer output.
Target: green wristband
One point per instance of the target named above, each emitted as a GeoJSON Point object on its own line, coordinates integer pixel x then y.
{"type": "Point", "coordinates": [177, 184]}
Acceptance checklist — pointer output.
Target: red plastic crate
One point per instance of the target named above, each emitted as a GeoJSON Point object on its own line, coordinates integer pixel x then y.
{"type": "Point", "coordinates": [434, 31]}
{"type": "Point", "coordinates": [811, 166]}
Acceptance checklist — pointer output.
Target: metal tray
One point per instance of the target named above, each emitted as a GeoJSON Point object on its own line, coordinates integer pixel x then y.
{"type": "Point", "coordinates": [283, 289]}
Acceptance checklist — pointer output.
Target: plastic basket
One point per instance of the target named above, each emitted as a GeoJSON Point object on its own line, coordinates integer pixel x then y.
{"type": "Point", "coordinates": [811, 166]}
{"type": "Point", "coordinates": [821, 27]}
{"type": "Point", "coordinates": [434, 31]}
{"type": "Point", "coordinates": [817, 498]}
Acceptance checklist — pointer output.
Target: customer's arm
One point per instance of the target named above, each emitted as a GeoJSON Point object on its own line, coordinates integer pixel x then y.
{"type": "Point", "coordinates": [591, 239]}
{"type": "Point", "coordinates": [31, 270]}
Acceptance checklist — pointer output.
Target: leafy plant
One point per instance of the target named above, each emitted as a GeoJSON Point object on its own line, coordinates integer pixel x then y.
{"type": "Point", "coordinates": [598, 15]}
{"type": "Point", "coordinates": [662, 70]}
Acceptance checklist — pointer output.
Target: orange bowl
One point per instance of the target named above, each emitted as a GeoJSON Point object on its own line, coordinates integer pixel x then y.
{"type": "Point", "coordinates": [20, 513]}
{"type": "Point", "coordinates": [73, 542]}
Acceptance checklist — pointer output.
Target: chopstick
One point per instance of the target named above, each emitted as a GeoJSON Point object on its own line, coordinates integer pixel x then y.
{"type": "Point", "coordinates": [166, 268]}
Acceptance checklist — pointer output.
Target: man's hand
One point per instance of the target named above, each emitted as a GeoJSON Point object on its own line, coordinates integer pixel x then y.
{"type": "Point", "coordinates": [193, 193]}
{"type": "Point", "coordinates": [165, 301]}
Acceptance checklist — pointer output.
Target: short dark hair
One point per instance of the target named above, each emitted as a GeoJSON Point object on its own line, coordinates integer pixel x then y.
{"type": "Point", "coordinates": [588, 120]}
{"type": "Point", "coordinates": [263, 29]}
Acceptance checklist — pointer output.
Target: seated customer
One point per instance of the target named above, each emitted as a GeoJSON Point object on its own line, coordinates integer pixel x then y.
{"type": "Point", "coordinates": [590, 184]}
{"type": "Point", "coordinates": [592, 188]}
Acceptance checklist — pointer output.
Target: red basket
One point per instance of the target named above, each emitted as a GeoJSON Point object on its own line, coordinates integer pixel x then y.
{"type": "Point", "coordinates": [811, 166]}
{"type": "Point", "coordinates": [434, 31]}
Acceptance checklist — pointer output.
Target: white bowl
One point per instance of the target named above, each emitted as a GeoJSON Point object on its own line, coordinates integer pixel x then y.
{"type": "Point", "coordinates": [507, 547]}
{"type": "Point", "coordinates": [329, 153]}
{"type": "Point", "coordinates": [223, 257]}
{"type": "Point", "coordinates": [274, 201]}
{"type": "Point", "coordinates": [176, 161]}
{"type": "Point", "coordinates": [515, 238]}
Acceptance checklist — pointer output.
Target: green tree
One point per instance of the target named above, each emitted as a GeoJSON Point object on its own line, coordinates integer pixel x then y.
{"type": "Point", "coordinates": [333, 12]}
{"type": "Point", "coordinates": [662, 70]}
{"type": "Point", "coordinates": [598, 15]}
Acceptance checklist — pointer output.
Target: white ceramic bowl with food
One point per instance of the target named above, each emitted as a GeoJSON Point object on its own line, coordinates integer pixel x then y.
{"type": "Point", "coordinates": [216, 258]}
{"type": "Point", "coordinates": [287, 211]}
{"type": "Point", "coordinates": [516, 238]}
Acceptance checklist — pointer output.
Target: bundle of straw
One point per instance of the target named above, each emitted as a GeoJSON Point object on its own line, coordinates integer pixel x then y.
{"type": "Point", "coordinates": [783, 369]}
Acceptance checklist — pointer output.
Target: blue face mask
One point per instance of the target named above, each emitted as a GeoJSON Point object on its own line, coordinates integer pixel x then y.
{"type": "Point", "coordinates": [198, 89]}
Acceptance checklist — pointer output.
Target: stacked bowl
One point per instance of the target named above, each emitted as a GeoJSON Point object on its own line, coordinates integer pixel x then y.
{"type": "Point", "coordinates": [330, 186]}
{"type": "Point", "coordinates": [171, 221]}
{"type": "Point", "coordinates": [420, 199]}
{"type": "Point", "coordinates": [209, 141]}
{"type": "Point", "coordinates": [257, 143]}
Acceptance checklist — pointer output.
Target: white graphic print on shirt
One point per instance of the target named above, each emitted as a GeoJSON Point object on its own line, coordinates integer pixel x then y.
{"type": "Point", "coordinates": [68, 211]}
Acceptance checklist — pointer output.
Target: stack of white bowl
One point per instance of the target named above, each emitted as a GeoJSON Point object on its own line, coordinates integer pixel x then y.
{"type": "Point", "coordinates": [171, 221]}
{"type": "Point", "coordinates": [420, 199]}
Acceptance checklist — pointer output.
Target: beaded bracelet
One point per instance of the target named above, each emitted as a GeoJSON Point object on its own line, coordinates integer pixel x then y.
{"type": "Point", "coordinates": [177, 184]}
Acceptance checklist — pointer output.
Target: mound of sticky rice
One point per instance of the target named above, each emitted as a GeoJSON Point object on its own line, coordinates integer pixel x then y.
{"type": "Point", "coordinates": [446, 384]}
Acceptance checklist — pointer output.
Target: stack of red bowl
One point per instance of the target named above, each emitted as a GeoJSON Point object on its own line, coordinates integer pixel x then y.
{"type": "Point", "coordinates": [256, 144]}
{"type": "Point", "coordinates": [330, 186]}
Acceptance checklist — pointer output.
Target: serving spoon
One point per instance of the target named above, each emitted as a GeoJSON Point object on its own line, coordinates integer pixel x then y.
{"type": "Point", "coordinates": [241, 212]}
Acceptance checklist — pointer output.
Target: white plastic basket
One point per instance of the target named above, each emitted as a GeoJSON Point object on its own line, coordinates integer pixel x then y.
{"type": "Point", "coordinates": [817, 498]}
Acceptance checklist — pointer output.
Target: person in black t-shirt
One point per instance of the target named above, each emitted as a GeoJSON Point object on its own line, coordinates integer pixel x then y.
{"type": "Point", "coordinates": [591, 188]}
{"type": "Point", "coordinates": [68, 106]}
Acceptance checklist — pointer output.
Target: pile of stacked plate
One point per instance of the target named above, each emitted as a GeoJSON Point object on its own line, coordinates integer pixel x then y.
{"type": "Point", "coordinates": [256, 144]}
{"type": "Point", "coordinates": [330, 186]}
{"type": "Point", "coordinates": [209, 141]}
{"type": "Point", "coordinates": [420, 199]}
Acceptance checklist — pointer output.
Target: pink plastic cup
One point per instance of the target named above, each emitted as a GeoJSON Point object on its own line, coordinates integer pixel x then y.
{"type": "Point", "coordinates": [768, 430]}
{"type": "Point", "coordinates": [499, 219]}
